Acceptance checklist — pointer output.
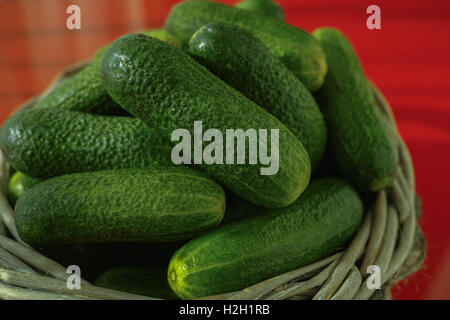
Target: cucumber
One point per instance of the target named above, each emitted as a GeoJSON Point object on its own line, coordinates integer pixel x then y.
{"type": "Point", "coordinates": [49, 142]}
{"type": "Point", "coordinates": [240, 254]}
{"type": "Point", "coordinates": [362, 146]}
{"type": "Point", "coordinates": [84, 91]}
{"type": "Point", "coordinates": [18, 184]}
{"type": "Point", "coordinates": [268, 8]}
{"type": "Point", "coordinates": [245, 63]}
{"type": "Point", "coordinates": [297, 49]}
{"type": "Point", "coordinates": [150, 281]}
{"type": "Point", "coordinates": [168, 89]}
{"type": "Point", "coordinates": [157, 204]}
{"type": "Point", "coordinates": [163, 35]}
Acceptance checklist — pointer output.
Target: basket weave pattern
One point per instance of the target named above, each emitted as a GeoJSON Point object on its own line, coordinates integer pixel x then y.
{"type": "Point", "coordinates": [389, 237]}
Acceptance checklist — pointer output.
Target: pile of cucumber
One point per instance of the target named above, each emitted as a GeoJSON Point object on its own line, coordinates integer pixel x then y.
{"type": "Point", "coordinates": [93, 157]}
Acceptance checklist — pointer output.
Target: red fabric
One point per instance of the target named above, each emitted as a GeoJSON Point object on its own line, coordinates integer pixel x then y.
{"type": "Point", "coordinates": [408, 59]}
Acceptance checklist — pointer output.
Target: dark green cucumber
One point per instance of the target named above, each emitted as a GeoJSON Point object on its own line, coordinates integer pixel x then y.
{"type": "Point", "coordinates": [245, 63]}
{"type": "Point", "coordinates": [240, 254]}
{"type": "Point", "coordinates": [84, 91]}
{"type": "Point", "coordinates": [50, 142]}
{"type": "Point", "coordinates": [18, 184]}
{"type": "Point", "coordinates": [362, 146]}
{"type": "Point", "coordinates": [297, 49]}
{"type": "Point", "coordinates": [168, 89]}
{"type": "Point", "coordinates": [150, 281]}
{"type": "Point", "coordinates": [268, 8]}
{"type": "Point", "coordinates": [157, 204]}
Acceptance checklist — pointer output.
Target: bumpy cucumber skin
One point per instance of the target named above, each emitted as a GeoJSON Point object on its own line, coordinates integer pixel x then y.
{"type": "Point", "coordinates": [297, 49]}
{"type": "Point", "coordinates": [168, 89]}
{"type": "Point", "coordinates": [18, 184]}
{"type": "Point", "coordinates": [246, 252]}
{"type": "Point", "coordinates": [49, 142]}
{"type": "Point", "coordinates": [268, 8]}
{"type": "Point", "coordinates": [362, 146]}
{"type": "Point", "coordinates": [150, 281]}
{"type": "Point", "coordinates": [157, 204]}
{"type": "Point", "coordinates": [84, 91]}
{"type": "Point", "coordinates": [245, 63]}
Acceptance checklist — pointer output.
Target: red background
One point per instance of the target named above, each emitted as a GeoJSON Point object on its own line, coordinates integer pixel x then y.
{"type": "Point", "coordinates": [409, 59]}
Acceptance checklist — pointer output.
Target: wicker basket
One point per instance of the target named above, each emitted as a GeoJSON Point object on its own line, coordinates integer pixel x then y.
{"type": "Point", "coordinates": [389, 237]}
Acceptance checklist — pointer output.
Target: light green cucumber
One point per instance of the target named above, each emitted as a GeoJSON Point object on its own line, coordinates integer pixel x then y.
{"type": "Point", "coordinates": [163, 35]}
{"type": "Point", "coordinates": [18, 184]}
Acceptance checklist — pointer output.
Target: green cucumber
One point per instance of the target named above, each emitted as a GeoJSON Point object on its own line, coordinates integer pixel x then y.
{"type": "Point", "coordinates": [268, 8]}
{"type": "Point", "coordinates": [240, 254]}
{"type": "Point", "coordinates": [49, 142]}
{"type": "Point", "coordinates": [84, 91]}
{"type": "Point", "coordinates": [163, 35]}
{"type": "Point", "coordinates": [150, 281]}
{"type": "Point", "coordinates": [245, 63]}
{"type": "Point", "coordinates": [157, 204]}
{"type": "Point", "coordinates": [168, 89]}
{"type": "Point", "coordinates": [297, 49]}
{"type": "Point", "coordinates": [18, 184]}
{"type": "Point", "coordinates": [362, 146]}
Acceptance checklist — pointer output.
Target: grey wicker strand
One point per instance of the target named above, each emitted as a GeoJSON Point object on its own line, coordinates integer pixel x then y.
{"type": "Point", "coordinates": [389, 238]}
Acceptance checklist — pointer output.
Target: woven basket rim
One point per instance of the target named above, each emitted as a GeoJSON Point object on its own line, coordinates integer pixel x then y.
{"type": "Point", "coordinates": [388, 237]}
